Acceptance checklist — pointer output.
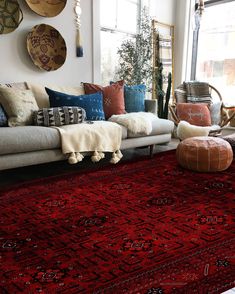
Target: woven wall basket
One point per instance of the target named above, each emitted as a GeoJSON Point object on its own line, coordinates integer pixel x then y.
{"type": "Point", "coordinates": [47, 8]}
{"type": "Point", "coordinates": [46, 47]}
{"type": "Point", "coordinates": [10, 16]}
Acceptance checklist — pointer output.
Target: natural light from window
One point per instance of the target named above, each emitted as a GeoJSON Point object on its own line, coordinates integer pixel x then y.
{"type": "Point", "coordinates": [216, 49]}
{"type": "Point", "coordinates": [118, 20]}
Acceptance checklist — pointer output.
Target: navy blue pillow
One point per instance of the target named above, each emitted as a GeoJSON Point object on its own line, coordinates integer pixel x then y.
{"type": "Point", "coordinates": [92, 103]}
{"type": "Point", "coordinates": [134, 98]}
{"type": "Point", "coordinates": [3, 118]}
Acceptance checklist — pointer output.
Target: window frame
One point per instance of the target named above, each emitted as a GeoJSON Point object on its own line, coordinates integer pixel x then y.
{"type": "Point", "coordinates": [96, 42]}
{"type": "Point", "coordinates": [196, 33]}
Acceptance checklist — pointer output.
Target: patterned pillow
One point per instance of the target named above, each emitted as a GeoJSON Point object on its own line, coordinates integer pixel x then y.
{"type": "Point", "coordinates": [93, 104]}
{"type": "Point", "coordinates": [134, 97]}
{"type": "Point", "coordinates": [59, 116]}
{"type": "Point", "coordinates": [19, 105]}
{"type": "Point", "coordinates": [3, 118]}
{"type": "Point", "coordinates": [113, 97]}
{"type": "Point", "coordinates": [195, 114]}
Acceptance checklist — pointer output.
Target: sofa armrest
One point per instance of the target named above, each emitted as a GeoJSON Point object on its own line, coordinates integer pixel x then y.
{"type": "Point", "coordinates": [151, 105]}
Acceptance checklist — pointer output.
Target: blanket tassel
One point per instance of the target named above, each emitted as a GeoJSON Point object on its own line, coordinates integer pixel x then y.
{"type": "Point", "coordinates": [116, 156]}
{"type": "Point", "coordinates": [97, 156]}
{"type": "Point", "coordinates": [75, 157]}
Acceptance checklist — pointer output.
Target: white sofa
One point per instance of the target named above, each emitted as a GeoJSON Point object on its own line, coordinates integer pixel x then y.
{"type": "Point", "coordinates": [30, 145]}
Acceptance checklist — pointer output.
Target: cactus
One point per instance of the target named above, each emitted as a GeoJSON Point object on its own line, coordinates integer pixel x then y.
{"type": "Point", "coordinates": [168, 96]}
{"type": "Point", "coordinates": [162, 97]}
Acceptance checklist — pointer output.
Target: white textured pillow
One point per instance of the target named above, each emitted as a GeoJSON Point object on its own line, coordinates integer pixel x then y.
{"type": "Point", "coordinates": [19, 106]}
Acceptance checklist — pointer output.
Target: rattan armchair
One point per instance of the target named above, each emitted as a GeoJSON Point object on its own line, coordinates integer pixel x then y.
{"type": "Point", "coordinates": [215, 94]}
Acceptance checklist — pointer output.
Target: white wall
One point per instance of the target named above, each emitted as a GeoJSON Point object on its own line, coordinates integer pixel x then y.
{"type": "Point", "coordinates": [183, 47]}
{"type": "Point", "coordinates": [163, 10]}
{"type": "Point", "coordinates": [16, 65]}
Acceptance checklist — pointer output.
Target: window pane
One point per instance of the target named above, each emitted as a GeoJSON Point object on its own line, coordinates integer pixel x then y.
{"type": "Point", "coordinates": [216, 49]}
{"type": "Point", "coordinates": [127, 15]}
{"type": "Point", "coordinates": [110, 42]}
{"type": "Point", "coordinates": [108, 11]}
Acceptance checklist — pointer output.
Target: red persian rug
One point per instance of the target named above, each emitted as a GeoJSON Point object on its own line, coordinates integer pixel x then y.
{"type": "Point", "coordinates": [140, 227]}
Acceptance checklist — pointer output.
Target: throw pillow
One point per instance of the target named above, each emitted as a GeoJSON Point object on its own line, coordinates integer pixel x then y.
{"type": "Point", "coordinates": [3, 118]}
{"type": "Point", "coordinates": [195, 114]}
{"type": "Point", "coordinates": [19, 106]}
{"type": "Point", "coordinates": [134, 97]}
{"type": "Point", "coordinates": [113, 97]}
{"type": "Point", "coordinates": [59, 116]}
{"type": "Point", "coordinates": [92, 104]}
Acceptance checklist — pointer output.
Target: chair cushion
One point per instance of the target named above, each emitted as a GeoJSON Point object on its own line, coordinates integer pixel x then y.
{"type": "Point", "coordinates": [28, 138]}
{"type": "Point", "coordinates": [159, 126]}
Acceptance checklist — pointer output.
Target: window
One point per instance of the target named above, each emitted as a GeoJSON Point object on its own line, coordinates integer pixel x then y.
{"type": "Point", "coordinates": [216, 47]}
{"type": "Point", "coordinates": [118, 20]}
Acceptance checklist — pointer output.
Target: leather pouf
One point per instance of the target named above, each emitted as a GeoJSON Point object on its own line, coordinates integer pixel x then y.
{"type": "Point", "coordinates": [204, 154]}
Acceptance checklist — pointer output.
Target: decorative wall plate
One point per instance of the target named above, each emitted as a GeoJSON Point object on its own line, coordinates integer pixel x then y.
{"type": "Point", "coordinates": [10, 16]}
{"type": "Point", "coordinates": [47, 8]}
{"type": "Point", "coordinates": [46, 47]}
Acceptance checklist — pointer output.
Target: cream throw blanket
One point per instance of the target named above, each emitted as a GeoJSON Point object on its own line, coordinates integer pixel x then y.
{"type": "Point", "coordinates": [99, 137]}
{"type": "Point", "coordinates": [136, 122]}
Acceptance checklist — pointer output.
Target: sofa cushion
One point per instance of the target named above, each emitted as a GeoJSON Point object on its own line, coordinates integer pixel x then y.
{"type": "Point", "coordinates": [92, 103]}
{"type": "Point", "coordinates": [28, 138]}
{"type": "Point", "coordinates": [159, 126]}
{"type": "Point", "coordinates": [19, 105]}
{"type": "Point", "coordinates": [42, 97]}
{"type": "Point", "coordinates": [113, 97]}
{"type": "Point", "coordinates": [31, 138]}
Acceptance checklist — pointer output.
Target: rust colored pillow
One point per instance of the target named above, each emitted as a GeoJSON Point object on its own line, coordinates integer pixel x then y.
{"type": "Point", "coordinates": [196, 114]}
{"type": "Point", "coordinates": [113, 97]}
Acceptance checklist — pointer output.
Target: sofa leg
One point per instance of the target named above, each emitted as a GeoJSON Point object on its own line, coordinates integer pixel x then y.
{"type": "Point", "coordinates": [151, 147]}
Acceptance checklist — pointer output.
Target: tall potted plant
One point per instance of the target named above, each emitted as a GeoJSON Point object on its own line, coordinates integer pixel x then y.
{"type": "Point", "coordinates": [135, 55]}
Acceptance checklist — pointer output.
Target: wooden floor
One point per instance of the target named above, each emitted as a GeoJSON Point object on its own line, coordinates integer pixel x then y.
{"type": "Point", "coordinates": [20, 175]}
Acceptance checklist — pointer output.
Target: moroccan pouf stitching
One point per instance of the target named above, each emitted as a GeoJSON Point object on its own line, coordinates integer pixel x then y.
{"type": "Point", "coordinates": [204, 154]}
